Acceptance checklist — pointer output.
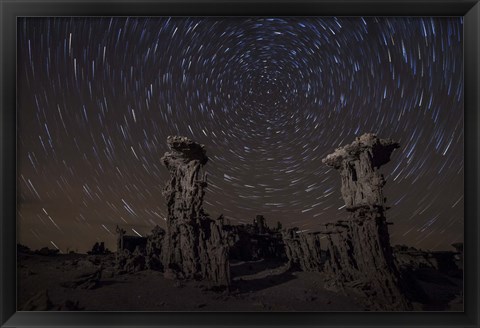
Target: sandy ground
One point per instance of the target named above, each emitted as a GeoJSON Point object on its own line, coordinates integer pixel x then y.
{"type": "Point", "coordinates": [257, 286]}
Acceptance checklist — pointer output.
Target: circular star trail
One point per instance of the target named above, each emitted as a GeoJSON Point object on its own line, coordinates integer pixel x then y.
{"type": "Point", "coordinates": [268, 97]}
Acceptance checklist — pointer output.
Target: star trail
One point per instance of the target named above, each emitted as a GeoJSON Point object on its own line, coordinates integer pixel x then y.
{"type": "Point", "coordinates": [268, 97]}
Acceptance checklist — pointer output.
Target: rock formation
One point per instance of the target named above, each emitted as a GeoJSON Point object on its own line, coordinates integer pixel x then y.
{"type": "Point", "coordinates": [304, 250]}
{"type": "Point", "coordinates": [136, 253]}
{"type": "Point", "coordinates": [129, 262]}
{"type": "Point", "coordinates": [354, 253]}
{"type": "Point", "coordinates": [359, 255]}
{"type": "Point", "coordinates": [154, 248]}
{"type": "Point", "coordinates": [358, 165]}
{"type": "Point", "coordinates": [260, 225]}
{"type": "Point", "coordinates": [251, 242]}
{"type": "Point", "coordinates": [195, 246]}
{"type": "Point", "coordinates": [412, 259]}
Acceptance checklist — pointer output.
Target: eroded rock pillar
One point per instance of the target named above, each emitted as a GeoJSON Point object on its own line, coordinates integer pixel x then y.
{"type": "Point", "coordinates": [194, 246]}
{"type": "Point", "coordinates": [359, 255]}
{"type": "Point", "coordinates": [304, 250]}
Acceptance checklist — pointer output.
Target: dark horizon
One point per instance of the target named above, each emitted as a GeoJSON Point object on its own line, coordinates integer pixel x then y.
{"type": "Point", "coordinates": [269, 98]}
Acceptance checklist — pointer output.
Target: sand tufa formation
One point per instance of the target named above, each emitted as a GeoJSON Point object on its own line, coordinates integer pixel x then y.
{"type": "Point", "coordinates": [303, 250]}
{"type": "Point", "coordinates": [358, 165]}
{"type": "Point", "coordinates": [194, 245]}
{"type": "Point", "coordinates": [359, 251]}
{"type": "Point", "coordinates": [354, 253]}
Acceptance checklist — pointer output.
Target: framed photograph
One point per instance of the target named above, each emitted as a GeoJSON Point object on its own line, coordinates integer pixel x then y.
{"type": "Point", "coordinates": [225, 163]}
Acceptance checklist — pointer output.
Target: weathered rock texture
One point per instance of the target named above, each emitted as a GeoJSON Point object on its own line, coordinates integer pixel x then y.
{"type": "Point", "coordinates": [358, 164]}
{"type": "Point", "coordinates": [136, 253]}
{"type": "Point", "coordinates": [251, 242]}
{"type": "Point", "coordinates": [359, 255]}
{"type": "Point", "coordinates": [304, 250]}
{"type": "Point", "coordinates": [359, 258]}
{"type": "Point", "coordinates": [129, 262]}
{"type": "Point", "coordinates": [154, 248]}
{"type": "Point", "coordinates": [195, 246]}
{"type": "Point", "coordinates": [410, 258]}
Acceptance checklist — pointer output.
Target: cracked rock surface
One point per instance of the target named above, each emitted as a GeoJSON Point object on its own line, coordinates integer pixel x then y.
{"type": "Point", "coordinates": [195, 246]}
{"type": "Point", "coordinates": [359, 255]}
{"type": "Point", "coordinates": [358, 165]}
{"type": "Point", "coordinates": [304, 250]}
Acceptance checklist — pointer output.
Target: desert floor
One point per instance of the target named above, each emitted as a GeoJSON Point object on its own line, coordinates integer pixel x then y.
{"type": "Point", "coordinates": [257, 286]}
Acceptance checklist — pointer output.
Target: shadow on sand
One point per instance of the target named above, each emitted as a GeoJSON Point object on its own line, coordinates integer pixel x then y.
{"type": "Point", "coordinates": [434, 289]}
{"type": "Point", "coordinates": [253, 276]}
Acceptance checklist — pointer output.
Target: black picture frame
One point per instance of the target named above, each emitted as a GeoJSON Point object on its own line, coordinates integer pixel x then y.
{"type": "Point", "coordinates": [10, 10]}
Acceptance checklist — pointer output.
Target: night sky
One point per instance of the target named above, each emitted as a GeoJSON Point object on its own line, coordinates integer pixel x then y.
{"type": "Point", "coordinates": [269, 98]}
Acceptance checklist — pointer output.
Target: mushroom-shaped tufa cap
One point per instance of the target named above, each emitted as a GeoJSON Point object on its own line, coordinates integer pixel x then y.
{"type": "Point", "coordinates": [187, 149]}
{"type": "Point", "coordinates": [380, 150]}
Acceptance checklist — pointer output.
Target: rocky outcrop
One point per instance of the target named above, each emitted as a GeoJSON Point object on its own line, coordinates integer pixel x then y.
{"type": "Point", "coordinates": [252, 242]}
{"type": "Point", "coordinates": [359, 255]}
{"type": "Point", "coordinates": [359, 259]}
{"type": "Point", "coordinates": [129, 262]}
{"type": "Point", "coordinates": [195, 246]}
{"type": "Point", "coordinates": [139, 253]}
{"type": "Point", "coordinates": [304, 250]}
{"type": "Point", "coordinates": [153, 250]}
{"type": "Point", "coordinates": [185, 190]}
{"type": "Point", "coordinates": [410, 258]}
{"type": "Point", "coordinates": [358, 165]}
